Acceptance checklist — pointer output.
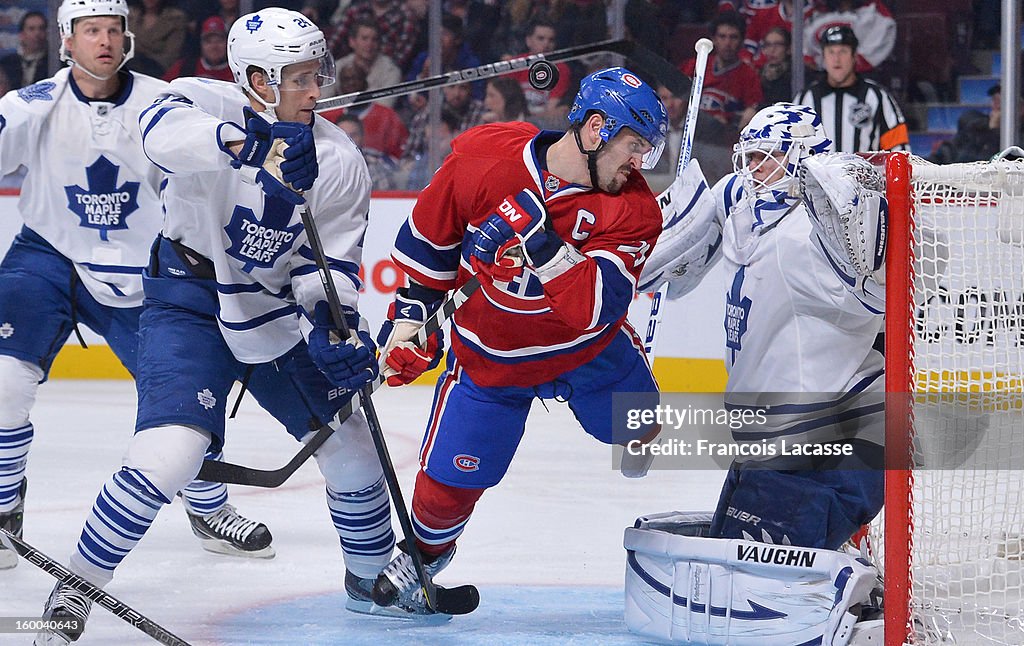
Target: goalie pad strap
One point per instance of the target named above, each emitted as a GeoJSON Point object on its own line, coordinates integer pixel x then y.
{"type": "Point", "coordinates": [733, 592]}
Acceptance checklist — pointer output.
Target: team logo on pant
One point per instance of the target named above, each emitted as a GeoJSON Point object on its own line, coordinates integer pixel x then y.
{"type": "Point", "coordinates": [259, 242]}
{"type": "Point", "coordinates": [104, 205]}
{"type": "Point", "coordinates": [206, 398]}
{"type": "Point", "coordinates": [6, 330]}
{"type": "Point", "coordinates": [466, 463]}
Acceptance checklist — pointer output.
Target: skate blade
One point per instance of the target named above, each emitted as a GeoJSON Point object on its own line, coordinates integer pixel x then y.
{"type": "Point", "coordinates": [49, 639]}
{"type": "Point", "coordinates": [394, 612]}
{"type": "Point", "coordinates": [220, 547]}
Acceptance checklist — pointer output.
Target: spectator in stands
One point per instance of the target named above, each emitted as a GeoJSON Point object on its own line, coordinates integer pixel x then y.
{"type": "Point", "coordinates": [383, 129]}
{"type": "Point", "coordinates": [160, 31]}
{"type": "Point", "coordinates": [415, 163]}
{"type": "Point", "coordinates": [381, 71]}
{"type": "Point", "coordinates": [975, 140]}
{"type": "Point", "coordinates": [870, 21]}
{"type": "Point", "coordinates": [212, 62]}
{"type": "Point", "coordinates": [30, 62]}
{"type": "Point", "coordinates": [774, 66]}
{"type": "Point", "coordinates": [398, 28]}
{"type": "Point", "coordinates": [459, 102]}
{"type": "Point", "coordinates": [769, 16]}
{"type": "Point", "coordinates": [732, 88]}
{"type": "Point", "coordinates": [579, 22]}
{"type": "Point", "coordinates": [480, 22]}
{"type": "Point", "coordinates": [858, 114]}
{"type": "Point", "coordinates": [504, 101]}
{"type": "Point", "coordinates": [382, 167]}
{"type": "Point", "coordinates": [546, 107]}
{"type": "Point", "coordinates": [455, 55]}
{"type": "Point", "coordinates": [712, 144]}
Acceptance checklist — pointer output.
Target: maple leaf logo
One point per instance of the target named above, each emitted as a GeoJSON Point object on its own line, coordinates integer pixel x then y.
{"type": "Point", "coordinates": [104, 205]}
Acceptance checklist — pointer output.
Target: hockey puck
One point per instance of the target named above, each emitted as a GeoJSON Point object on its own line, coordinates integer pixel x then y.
{"type": "Point", "coordinates": [543, 75]}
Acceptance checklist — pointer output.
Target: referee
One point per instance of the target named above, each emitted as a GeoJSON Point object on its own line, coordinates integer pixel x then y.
{"type": "Point", "coordinates": [858, 114]}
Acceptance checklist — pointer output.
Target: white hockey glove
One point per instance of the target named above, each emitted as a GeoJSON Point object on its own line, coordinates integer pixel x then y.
{"type": "Point", "coordinates": [691, 236]}
{"type": "Point", "coordinates": [845, 198]}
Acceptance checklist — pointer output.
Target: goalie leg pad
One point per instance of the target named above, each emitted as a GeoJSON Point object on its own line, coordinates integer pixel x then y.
{"type": "Point", "coordinates": [815, 508]}
{"type": "Point", "coordinates": [719, 592]}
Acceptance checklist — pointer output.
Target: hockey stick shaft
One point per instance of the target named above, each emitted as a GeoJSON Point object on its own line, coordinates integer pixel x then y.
{"type": "Point", "coordinates": [116, 607]}
{"type": "Point", "coordinates": [390, 477]}
{"type": "Point", "coordinates": [703, 47]}
{"type": "Point", "coordinates": [665, 71]}
{"type": "Point", "coordinates": [217, 471]}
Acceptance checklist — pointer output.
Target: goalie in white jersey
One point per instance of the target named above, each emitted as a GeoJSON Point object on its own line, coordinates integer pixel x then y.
{"type": "Point", "coordinates": [232, 293]}
{"type": "Point", "coordinates": [801, 232]}
{"type": "Point", "coordinates": [91, 209]}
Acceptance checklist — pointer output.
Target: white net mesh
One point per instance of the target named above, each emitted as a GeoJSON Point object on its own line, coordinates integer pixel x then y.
{"type": "Point", "coordinates": [968, 360]}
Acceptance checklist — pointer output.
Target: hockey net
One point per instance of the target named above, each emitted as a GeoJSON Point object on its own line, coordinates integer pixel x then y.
{"type": "Point", "coordinates": [954, 509]}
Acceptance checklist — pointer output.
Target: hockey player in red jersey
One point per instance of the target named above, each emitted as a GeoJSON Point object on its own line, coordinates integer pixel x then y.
{"type": "Point", "coordinates": [575, 208]}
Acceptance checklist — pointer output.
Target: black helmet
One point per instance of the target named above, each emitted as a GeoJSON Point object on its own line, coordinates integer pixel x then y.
{"type": "Point", "coordinates": [839, 35]}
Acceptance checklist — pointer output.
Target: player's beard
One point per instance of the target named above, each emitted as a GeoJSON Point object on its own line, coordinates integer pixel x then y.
{"type": "Point", "coordinates": [615, 184]}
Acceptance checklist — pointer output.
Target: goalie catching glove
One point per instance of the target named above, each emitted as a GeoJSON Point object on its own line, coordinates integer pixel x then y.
{"type": "Point", "coordinates": [844, 195]}
{"type": "Point", "coordinates": [402, 361]}
{"type": "Point", "coordinates": [518, 222]}
{"type": "Point", "coordinates": [280, 157]}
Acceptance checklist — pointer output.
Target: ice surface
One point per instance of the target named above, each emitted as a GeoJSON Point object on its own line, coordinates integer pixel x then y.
{"type": "Point", "coordinates": [545, 546]}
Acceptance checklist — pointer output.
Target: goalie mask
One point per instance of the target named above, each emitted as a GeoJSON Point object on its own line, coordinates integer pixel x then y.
{"type": "Point", "coordinates": [71, 10]}
{"type": "Point", "coordinates": [772, 147]}
{"type": "Point", "coordinates": [625, 102]}
{"type": "Point", "coordinates": [271, 40]}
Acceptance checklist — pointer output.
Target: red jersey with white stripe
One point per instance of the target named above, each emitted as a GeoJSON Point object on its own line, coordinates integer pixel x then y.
{"type": "Point", "coordinates": [524, 333]}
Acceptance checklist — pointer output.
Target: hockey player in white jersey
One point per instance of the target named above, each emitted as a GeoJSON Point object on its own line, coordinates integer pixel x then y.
{"type": "Point", "coordinates": [232, 292]}
{"type": "Point", "coordinates": [91, 208]}
{"type": "Point", "coordinates": [803, 243]}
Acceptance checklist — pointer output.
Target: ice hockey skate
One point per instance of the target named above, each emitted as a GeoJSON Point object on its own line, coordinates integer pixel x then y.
{"type": "Point", "coordinates": [399, 586]}
{"type": "Point", "coordinates": [225, 531]}
{"type": "Point", "coordinates": [13, 521]}
{"type": "Point", "coordinates": [360, 600]}
{"type": "Point", "coordinates": [68, 609]}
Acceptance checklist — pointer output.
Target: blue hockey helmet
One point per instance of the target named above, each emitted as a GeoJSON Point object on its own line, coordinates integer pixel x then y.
{"type": "Point", "coordinates": [624, 101]}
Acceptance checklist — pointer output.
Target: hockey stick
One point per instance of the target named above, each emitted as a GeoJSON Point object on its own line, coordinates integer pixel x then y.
{"type": "Point", "coordinates": [453, 601]}
{"type": "Point", "coordinates": [645, 59]}
{"type": "Point", "coordinates": [216, 471]}
{"type": "Point", "coordinates": [703, 47]}
{"type": "Point", "coordinates": [118, 608]}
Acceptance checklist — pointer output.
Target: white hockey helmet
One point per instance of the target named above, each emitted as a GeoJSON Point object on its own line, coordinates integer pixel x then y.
{"type": "Point", "coordinates": [786, 133]}
{"type": "Point", "coordinates": [271, 40]}
{"type": "Point", "coordinates": [71, 10]}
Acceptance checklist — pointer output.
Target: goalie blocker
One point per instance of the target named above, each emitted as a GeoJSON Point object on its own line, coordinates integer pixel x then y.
{"type": "Point", "coordinates": [685, 588]}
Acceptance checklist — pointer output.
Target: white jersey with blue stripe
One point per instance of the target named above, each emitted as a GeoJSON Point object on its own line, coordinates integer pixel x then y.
{"type": "Point", "coordinates": [266, 276]}
{"type": "Point", "coordinates": [88, 190]}
{"type": "Point", "coordinates": [796, 337]}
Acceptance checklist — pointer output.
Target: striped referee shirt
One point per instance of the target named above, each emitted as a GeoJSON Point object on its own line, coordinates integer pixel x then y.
{"type": "Point", "coordinates": [858, 118]}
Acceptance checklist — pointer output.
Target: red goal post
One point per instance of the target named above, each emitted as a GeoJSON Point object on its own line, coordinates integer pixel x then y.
{"type": "Point", "coordinates": [954, 502]}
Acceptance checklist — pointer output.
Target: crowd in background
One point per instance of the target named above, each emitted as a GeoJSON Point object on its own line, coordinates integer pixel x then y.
{"type": "Point", "coordinates": [378, 43]}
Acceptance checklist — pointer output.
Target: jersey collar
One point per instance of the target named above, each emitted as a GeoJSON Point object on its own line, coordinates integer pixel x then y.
{"type": "Point", "coordinates": [118, 98]}
{"type": "Point", "coordinates": [535, 154]}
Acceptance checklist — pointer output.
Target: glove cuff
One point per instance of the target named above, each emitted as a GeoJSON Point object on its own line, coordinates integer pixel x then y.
{"type": "Point", "coordinates": [565, 258]}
